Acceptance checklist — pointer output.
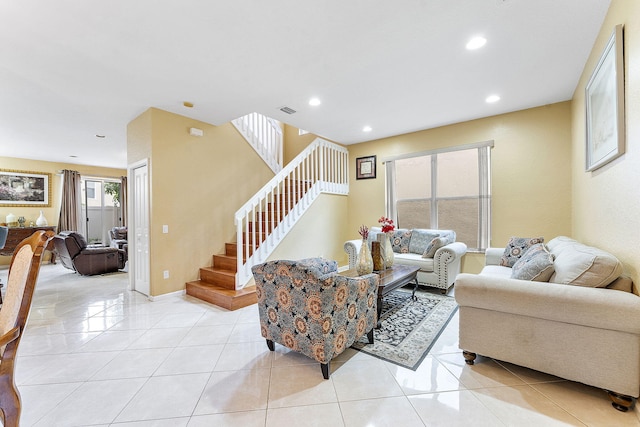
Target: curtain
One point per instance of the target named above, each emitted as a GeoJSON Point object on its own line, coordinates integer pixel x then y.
{"type": "Point", "coordinates": [70, 206]}
{"type": "Point", "coordinates": [124, 197]}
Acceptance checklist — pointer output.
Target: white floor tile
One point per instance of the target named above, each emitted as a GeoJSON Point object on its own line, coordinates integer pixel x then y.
{"type": "Point", "coordinates": [93, 403]}
{"type": "Point", "coordinates": [165, 397]}
{"type": "Point", "coordinates": [233, 391]}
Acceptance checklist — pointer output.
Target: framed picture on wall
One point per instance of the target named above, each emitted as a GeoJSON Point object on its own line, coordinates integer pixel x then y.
{"type": "Point", "coordinates": [604, 99]}
{"type": "Point", "coordinates": [366, 167]}
{"type": "Point", "coordinates": [22, 188]}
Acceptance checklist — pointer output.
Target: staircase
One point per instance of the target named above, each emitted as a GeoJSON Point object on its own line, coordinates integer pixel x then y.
{"type": "Point", "coordinates": [264, 221]}
{"type": "Point", "coordinates": [217, 284]}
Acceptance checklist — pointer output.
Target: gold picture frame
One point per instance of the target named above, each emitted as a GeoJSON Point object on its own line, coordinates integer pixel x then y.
{"type": "Point", "coordinates": [604, 99]}
{"type": "Point", "coordinates": [25, 188]}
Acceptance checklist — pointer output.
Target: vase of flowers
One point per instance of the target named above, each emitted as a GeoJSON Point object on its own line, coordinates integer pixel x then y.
{"type": "Point", "coordinates": [364, 263]}
{"type": "Point", "coordinates": [387, 228]}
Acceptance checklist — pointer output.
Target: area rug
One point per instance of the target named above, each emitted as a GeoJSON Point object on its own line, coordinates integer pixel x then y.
{"type": "Point", "coordinates": [409, 328]}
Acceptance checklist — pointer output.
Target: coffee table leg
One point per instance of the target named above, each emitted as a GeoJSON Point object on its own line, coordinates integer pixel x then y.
{"type": "Point", "coordinates": [379, 309]}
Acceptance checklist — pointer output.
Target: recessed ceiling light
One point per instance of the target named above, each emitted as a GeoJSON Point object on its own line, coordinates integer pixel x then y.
{"type": "Point", "coordinates": [100, 136]}
{"type": "Point", "coordinates": [73, 156]}
{"type": "Point", "coordinates": [188, 104]}
{"type": "Point", "coordinates": [367, 129]}
{"type": "Point", "coordinates": [314, 101]}
{"type": "Point", "coordinates": [492, 98]}
{"type": "Point", "coordinates": [476, 43]}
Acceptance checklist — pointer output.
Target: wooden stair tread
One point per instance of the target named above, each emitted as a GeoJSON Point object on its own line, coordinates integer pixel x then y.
{"type": "Point", "coordinates": [219, 270]}
{"type": "Point", "coordinates": [231, 299]}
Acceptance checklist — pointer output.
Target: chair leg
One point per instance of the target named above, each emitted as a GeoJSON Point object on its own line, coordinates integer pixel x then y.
{"type": "Point", "coordinates": [271, 345]}
{"type": "Point", "coordinates": [370, 336]}
{"type": "Point", "coordinates": [325, 370]}
{"type": "Point", "coordinates": [10, 406]}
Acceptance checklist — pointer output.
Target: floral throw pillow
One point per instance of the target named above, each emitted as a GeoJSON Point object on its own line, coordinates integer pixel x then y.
{"type": "Point", "coordinates": [536, 265]}
{"type": "Point", "coordinates": [436, 244]}
{"type": "Point", "coordinates": [516, 247]}
{"type": "Point", "coordinates": [400, 241]}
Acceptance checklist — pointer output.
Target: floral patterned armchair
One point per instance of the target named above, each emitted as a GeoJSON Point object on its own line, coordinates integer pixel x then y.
{"type": "Point", "coordinates": [308, 307]}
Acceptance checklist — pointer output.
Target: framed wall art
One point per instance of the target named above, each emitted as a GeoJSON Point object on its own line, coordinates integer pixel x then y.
{"type": "Point", "coordinates": [22, 188]}
{"type": "Point", "coordinates": [366, 167]}
{"type": "Point", "coordinates": [604, 99]}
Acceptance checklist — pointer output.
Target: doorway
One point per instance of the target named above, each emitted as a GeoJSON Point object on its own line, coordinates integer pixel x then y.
{"type": "Point", "coordinates": [101, 207]}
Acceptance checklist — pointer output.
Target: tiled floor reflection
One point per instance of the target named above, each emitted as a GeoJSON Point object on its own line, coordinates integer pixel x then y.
{"type": "Point", "coordinates": [96, 354]}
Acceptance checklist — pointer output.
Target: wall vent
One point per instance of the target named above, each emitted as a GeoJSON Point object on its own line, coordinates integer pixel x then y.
{"type": "Point", "coordinates": [287, 110]}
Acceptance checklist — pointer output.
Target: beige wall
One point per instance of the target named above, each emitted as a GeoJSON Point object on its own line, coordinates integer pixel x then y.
{"type": "Point", "coordinates": [197, 184]}
{"type": "Point", "coordinates": [51, 213]}
{"type": "Point", "coordinates": [295, 143]}
{"type": "Point", "coordinates": [320, 232]}
{"type": "Point", "coordinates": [606, 206]}
{"type": "Point", "coordinates": [531, 180]}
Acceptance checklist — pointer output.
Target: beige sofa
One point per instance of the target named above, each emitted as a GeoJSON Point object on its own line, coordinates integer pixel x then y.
{"type": "Point", "coordinates": [438, 270]}
{"type": "Point", "coordinates": [583, 325]}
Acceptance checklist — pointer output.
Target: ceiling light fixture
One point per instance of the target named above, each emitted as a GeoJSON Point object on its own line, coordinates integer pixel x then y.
{"type": "Point", "coordinates": [314, 102]}
{"type": "Point", "coordinates": [367, 129]}
{"type": "Point", "coordinates": [100, 136]}
{"type": "Point", "coordinates": [188, 104]}
{"type": "Point", "coordinates": [476, 43]}
{"type": "Point", "coordinates": [492, 98]}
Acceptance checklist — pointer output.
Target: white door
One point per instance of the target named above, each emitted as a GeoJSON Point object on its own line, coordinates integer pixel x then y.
{"type": "Point", "coordinates": [140, 213]}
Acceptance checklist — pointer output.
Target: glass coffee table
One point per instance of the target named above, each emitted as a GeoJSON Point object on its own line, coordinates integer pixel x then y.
{"type": "Point", "coordinates": [391, 279]}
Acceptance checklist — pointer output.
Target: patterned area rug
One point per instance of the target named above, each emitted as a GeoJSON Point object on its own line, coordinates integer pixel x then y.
{"type": "Point", "coordinates": [409, 328]}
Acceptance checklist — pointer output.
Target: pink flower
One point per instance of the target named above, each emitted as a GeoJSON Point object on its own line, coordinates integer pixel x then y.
{"type": "Point", "coordinates": [364, 231]}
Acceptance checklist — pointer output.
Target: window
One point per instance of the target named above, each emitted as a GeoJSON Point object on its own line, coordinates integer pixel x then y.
{"type": "Point", "coordinates": [443, 189]}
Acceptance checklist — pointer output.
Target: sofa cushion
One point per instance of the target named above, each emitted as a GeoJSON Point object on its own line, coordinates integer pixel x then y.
{"type": "Point", "coordinates": [420, 240]}
{"type": "Point", "coordinates": [400, 240]}
{"type": "Point", "coordinates": [582, 265]}
{"type": "Point", "coordinates": [536, 264]}
{"type": "Point", "coordinates": [436, 244]}
{"type": "Point", "coordinates": [425, 264]}
{"type": "Point", "coordinates": [516, 247]}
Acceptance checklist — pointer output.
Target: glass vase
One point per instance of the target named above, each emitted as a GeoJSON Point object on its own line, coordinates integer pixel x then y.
{"type": "Point", "coordinates": [364, 264]}
{"type": "Point", "coordinates": [388, 251]}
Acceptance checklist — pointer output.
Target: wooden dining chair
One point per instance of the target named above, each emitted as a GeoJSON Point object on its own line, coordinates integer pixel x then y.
{"type": "Point", "coordinates": [23, 273]}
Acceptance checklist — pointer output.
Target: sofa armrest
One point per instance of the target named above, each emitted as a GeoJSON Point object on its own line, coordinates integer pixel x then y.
{"type": "Point", "coordinates": [492, 256]}
{"type": "Point", "coordinates": [352, 248]}
{"type": "Point", "coordinates": [449, 253]}
{"type": "Point", "coordinates": [595, 307]}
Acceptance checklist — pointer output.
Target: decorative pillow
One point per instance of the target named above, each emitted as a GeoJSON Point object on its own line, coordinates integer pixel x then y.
{"type": "Point", "coordinates": [536, 264]}
{"type": "Point", "coordinates": [420, 240]}
{"type": "Point", "coordinates": [400, 241]}
{"type": "Point", "coordinates": [436, 244]}
{"type": "Point", "coordinates": [516, 247]}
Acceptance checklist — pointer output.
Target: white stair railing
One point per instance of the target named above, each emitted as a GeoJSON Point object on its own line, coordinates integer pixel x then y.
{"type": "Point", "coordinates": [264, 134]}
{"type": "Point", "coordinates": [262, 223]}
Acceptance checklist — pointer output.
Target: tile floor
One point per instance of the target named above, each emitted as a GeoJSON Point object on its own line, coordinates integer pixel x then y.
{"type": "Point", "coordinates": [97, 354]}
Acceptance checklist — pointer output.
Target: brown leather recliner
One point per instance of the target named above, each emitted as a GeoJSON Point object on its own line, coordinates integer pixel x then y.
{"type": "Point", "coordinates": [75, 254]}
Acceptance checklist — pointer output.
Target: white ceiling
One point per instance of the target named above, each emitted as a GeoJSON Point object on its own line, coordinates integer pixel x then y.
{"type": "Point", "coordinates": [72, 69]}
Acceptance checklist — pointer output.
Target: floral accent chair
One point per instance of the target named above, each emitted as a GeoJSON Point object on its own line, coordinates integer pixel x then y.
{"type": "Point", "coordinates": [308, 307]}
